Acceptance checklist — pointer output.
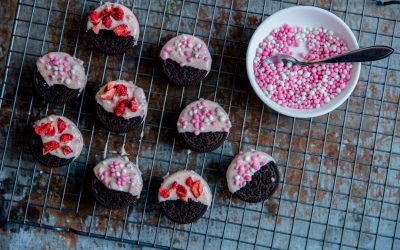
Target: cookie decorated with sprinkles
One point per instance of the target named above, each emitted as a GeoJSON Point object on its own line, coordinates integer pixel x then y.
{"type": "Point", "coordinates": [252, 176]}
{"type": "Point", "coordinates": [56, 141]}
{"type": "Point", "coordinates": [203, 125]}
{"type": "Point", "coordinates": [121, 106]}
{"type": "Point", "coordinates": [184, 196]}
{"type": "Point", "coordinates": [59, 77]}
{"type": "Point", "coordinates": [185, 60]}
{"type": "Point", "coordinates": [113, 28]}
{"type": "Point", "coordinates": [117, 182]}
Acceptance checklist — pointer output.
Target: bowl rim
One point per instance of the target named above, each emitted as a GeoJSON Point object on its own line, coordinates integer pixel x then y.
{"type": "Point", "coordinates": [292, 112]}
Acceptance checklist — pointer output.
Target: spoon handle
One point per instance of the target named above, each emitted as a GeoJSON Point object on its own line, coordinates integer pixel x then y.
{"type": "Point", "coordinates": [367, 54]}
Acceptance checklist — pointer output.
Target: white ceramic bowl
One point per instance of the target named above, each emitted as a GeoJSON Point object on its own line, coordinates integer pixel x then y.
{"type": "Point", "coordinates": [303, 16]}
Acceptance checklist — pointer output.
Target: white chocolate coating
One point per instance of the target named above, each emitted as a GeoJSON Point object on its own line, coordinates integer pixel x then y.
{"type": "Point", "coordinates": [245, 164]}
{"type": "Point", "coordinates": [180, 177]}
{"type": "Point", "coordinates": [119, 174]}
{"type": "Point", "coordinates": [61, 68]}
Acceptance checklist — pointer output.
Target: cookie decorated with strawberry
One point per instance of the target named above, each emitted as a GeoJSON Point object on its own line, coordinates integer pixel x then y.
{"type": "Point", "coordinates": [56, 141]}
{"type": "Point", "coordinates": [121, 106]}
{"type": "Point", "coordinates": [185, 60]}
{"type": "Point", "coordinates": [117, 182]}
{"type": "Point", "coordinates": [184, 196]}
{"type": "Point", "coordinates": [59, 77]}
{"type": "Point", "coordinates": [203, 125]}
{"type": "Point", "coordinates": [113, 28]}
{"type": "Point", "coordinates": [252, 176]}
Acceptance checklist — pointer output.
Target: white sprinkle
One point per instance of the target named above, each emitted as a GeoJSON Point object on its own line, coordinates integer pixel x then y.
{"type": "Point", "coordinates": [195, 111]}
{"type": "Point", "coordinates": [121, 165]}
{"type": "Point", "coordinates": [259, 50]}
{"type": "Point", "coordinates": [338, 90]}
{"type": "Point", "coordinates": [270, 88]}
{"type": "Point", "coordinates": [291, 92]}
{"type": "Point", "coordinates": [289, 64]}
{"type": "Point", "coordinates": [306, 74]}
{"type": "Point", "coordinates": [68, 81]}
{"type": "Point", "coordinates": [191, 113]}
{"type": "Point", "coordinates": [124, 171]}
{"type": "Point", "coordinates": [202, 128]}
{"type": "Point", "coordinates": [222, 118]}
{"type": "Point", "coordinates": [118, 174]}
{"type": "Point", "coordinates": [237, 177]}
{"type": "Point", "coordinates": [211, 117]}
{"type": "Point", "coordinates": [312, 92]}
{"type": "Point", "coordinates": [247, 158]}
{"type": "Point", "coordinates": [73, 72]}
{"type": "Point", "coordinates": [48, 67]}
{"type": "Point", "coordinates": [327, 99]}
{"type": "Point", "coordinates": [55, 68]}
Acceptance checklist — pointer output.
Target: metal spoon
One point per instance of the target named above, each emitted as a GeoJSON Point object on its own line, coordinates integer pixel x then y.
{"type": "Point", "coordinates": [367, 54]}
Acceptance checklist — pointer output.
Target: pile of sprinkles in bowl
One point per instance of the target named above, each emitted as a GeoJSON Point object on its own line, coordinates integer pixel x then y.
{"type": "Point", "coordinates": [301, 87]}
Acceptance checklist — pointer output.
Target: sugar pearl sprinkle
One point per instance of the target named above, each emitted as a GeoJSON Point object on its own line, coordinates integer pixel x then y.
{"type": "Point", "coordinates": [203, 116]}
{"type": "Point", "coordinates": [246, 165]}
{"type": "Point", "coordinates": [186, 49]}
{"type": "Point", "coordinates": [59, 68]}
{"type": "Point", "coordinates": [116, 173]}
{"type": "Point", "coordinates": [301, 87]}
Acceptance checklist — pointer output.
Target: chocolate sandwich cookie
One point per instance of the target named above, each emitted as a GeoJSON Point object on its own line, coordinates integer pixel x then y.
{"type": "Point", "coordinates": [203, 125]}
{"type": "Point", "coordinates": [252, 176]}
{"type": "Point", "coordinates": [55, 141]}
{"type": "Point", "coordinates": [185, 60]}
{"type": "Point", "coordinates": [121, 106]}
{"type": "Point", "coordinates": [117, 182]}
{"type": "Point", "coordinates": [113, 28]}
{"type": "Point", "coordinates": [59, 77]}
{"type": "Point", "coordinates": [184, 196]}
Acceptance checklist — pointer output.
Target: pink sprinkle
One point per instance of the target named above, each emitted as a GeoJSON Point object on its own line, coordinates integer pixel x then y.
{"type": "Point", "coordinates": [247, 177]}
{"type": "Point", "coordinates": [41, 60]}
{"type": "Point", "coordinates": [113, 174]}
{"type": "Point", "coordinates": [205, 59]}
{"type": "Point", "coordinates": [168, 49]}
{"type": "Point", "coordinates": [226, 129]}
{"type": "Point", "coordinates": [187, 53]}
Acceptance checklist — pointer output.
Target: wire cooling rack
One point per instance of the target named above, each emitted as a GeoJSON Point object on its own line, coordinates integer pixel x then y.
{"type": "Point", "coordinates": [340, 179]}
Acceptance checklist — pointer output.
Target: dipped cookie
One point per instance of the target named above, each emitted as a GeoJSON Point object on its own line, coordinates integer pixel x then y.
{"type": "Point", "coordinates": [184, 196]}
{"type": "Point", "coordinates": [121, 106]}
{"type": "Point", "coordinates": [203, 125]}
{"type": "Point", "coordinates": [113, 28]}
{"type": "Point", "coordinates": [252, 176]}
{"type": "Point", "coordinates": [59, 77]}
{"type": "Point", "coordinates": [56, 141]}
{"type": "Point", "coordinates": [185, 60]}
{"type": "Point", "coordinates": [117, 182]}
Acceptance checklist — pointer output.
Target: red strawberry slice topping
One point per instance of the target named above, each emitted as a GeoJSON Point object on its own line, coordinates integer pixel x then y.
{"type": "Point", "coordinates": [65, 138]}
{"type": "Point", "coordinates": [174, 185]}
{"type": "Point", "coordinates": [107, 21]}
{"type": "Point", "coordinates": [119, 109]}
{"type": "Point", "coordinates": [122, 90]}
{"type": "Point", "coordinates": [197, 189]}
{"type": "Point", "coordinates": [133, 105]}
{"type": "Point", "coordinates": [67, 150]}
{"type": "Point", "coordinates": [46, 129]}
{"type": "Point", "coordinates": [94, 17]}
{"type": "Point", "coordinates": [109, 86]}
{"type": "Point", "coordinates": [164, 192]}
{"type": "Point", "coordinates": [182, 193]}
{"type": "Point", "coordinates": [61, 125]}
{"type": "Point", "coordinates": [189, 181]}
{"type": "Point", "coordinates": [109, 95]}
{"type": "Point", "coordinates": [122, 30]}
{"type": "Point", "coordinates": [50, 146]}
{"type": "Point", "coordinates": [107, 11]}
{"type": "Point", "coordinates": [117, 13]}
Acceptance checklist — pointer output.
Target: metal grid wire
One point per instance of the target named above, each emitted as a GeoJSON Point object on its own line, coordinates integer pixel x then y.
{"type": "Point", "coordinates": [340, 179]}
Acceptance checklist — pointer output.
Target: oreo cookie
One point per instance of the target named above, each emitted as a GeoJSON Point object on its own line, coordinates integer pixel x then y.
{"type": "Point", "coordinates": [55, 141]}
{"type": "Point", "coordinates": [203, 125]}
{"type": "Point", "coordinates": [252, 176]}
{"type": "Point", "coordinates": [184, 196]}
{"type": "Point", "coordinates": [121, 106]}
{"type": "Point", "coordinates": [113, 28]}
{"type": "Point", "coordinates": [59, 77]}
{"type": "Point", "coordinates": [185, 60]}
{"type": "Point", "coordinates": [116, 183]}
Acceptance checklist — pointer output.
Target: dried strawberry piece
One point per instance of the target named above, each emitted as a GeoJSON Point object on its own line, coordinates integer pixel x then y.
{"type": "Point", "coordinates": [107, 21]}
{"type": "Point", "coordinates": [119, 109]}
{"type": "Point", "coordinates": [49, 130]}
{"type": "Point", "coordinates": [189, 181]}
{"type": "Point", "coordinates": [164, 192]}
{"type": "Point", "coordinates": [50, 146]}
{"type": "Point", "coordinates": [109, 86]}
{"type": "Point", "coordinates": [107, 11]}
{"type": "Point", "coordinates": [94, 17]}
{"type": "Point", "coordinates": [67, 150]}
{"type": "Point", "coordinates": [66, 138]}
{"type": "Point", "coordinates": [122, 30]}
{"type": "Point", "coordinates": [117, 13]}
{"type": "Point", "coordinates": [133, 105]}
{"type": "Point", "coordinates": [96, 28]}
{"type": "Point", "coordinates": [197, 189]}
{"type": "Point", "coordinates": [173, 185]}
{"type": "Point", "coordinates": [122, 90]}
{"type": "Point", "coordinates": [182, 193]}
{"type": "Point", "coordinates": [40, 129]}
{"type": "Point", "coordinates": [61, 125]}
{"type": "Point", "coordinates": [109, 95]}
